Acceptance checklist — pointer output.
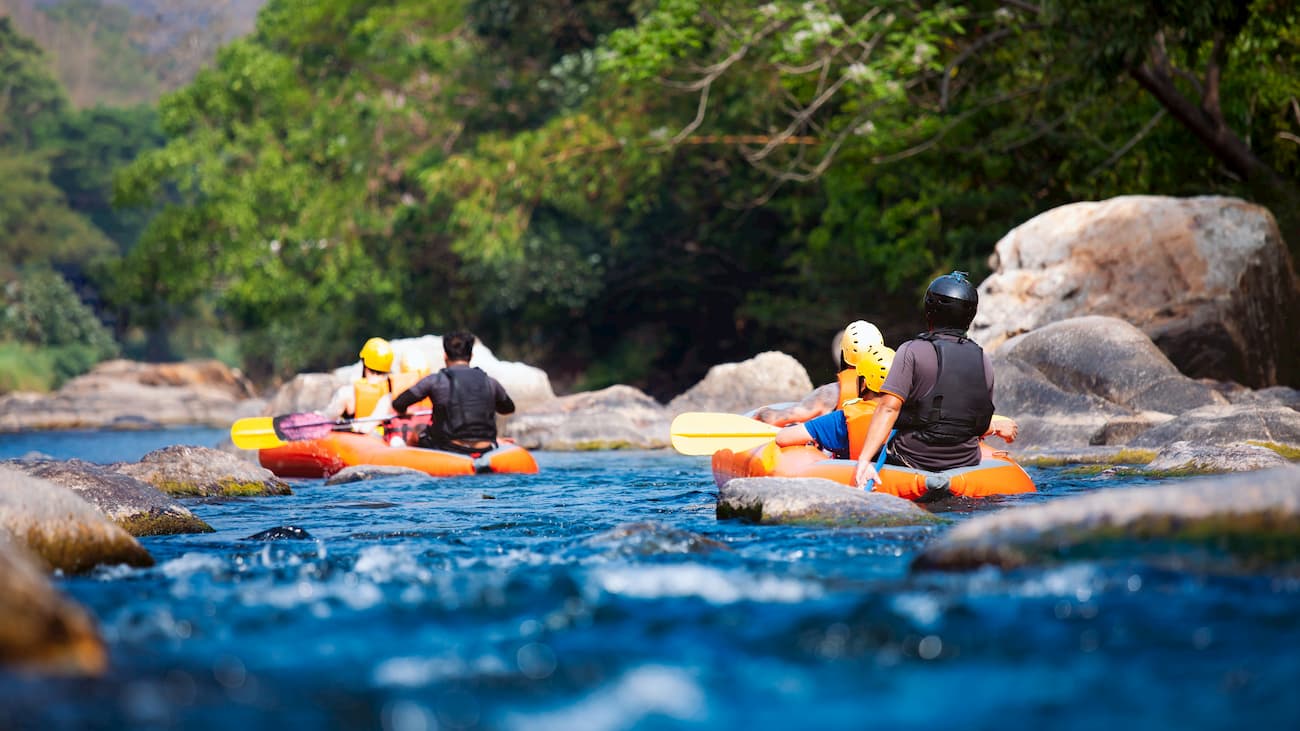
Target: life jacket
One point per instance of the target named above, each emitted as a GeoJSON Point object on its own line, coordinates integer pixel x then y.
{"type": "Point", "coordinates": [958, 407]}
{"type": "Point", "coordinates": [470, 413]}
{"type": "Point", "coordinates": [368, 393]}
{"type": "Point", "coordinates": [857, 416]}
{"type": "Point", "coordinates": [850, 386]}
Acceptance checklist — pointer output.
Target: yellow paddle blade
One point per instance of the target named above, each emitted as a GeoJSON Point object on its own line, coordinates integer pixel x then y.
{"type": "Point", "coordinates": [702, 432]}
{"type": "Point", "coordinates": [255, 432]}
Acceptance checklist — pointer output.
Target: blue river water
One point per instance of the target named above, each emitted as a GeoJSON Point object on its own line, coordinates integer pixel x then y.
{"type": "Point", "coordinates": [603, 594]}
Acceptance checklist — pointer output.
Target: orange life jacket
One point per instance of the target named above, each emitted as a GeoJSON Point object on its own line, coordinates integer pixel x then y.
{"type": "Point", "coordinates": [368, 393]}
{"type": "Point", "coordinates": [848, 379]}
{"type": "Point", "coordinates": [402, 381]}
{"type": "Point", "coordinates": [857, 415]}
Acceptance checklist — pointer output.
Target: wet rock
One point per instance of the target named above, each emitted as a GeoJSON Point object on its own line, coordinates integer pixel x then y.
{"type": "Point", "coordinates": [618, 417]}
{"type": "Point", "coordinates": [1201, 458]}
{"type": "Point", "coordinates": [58, 527]}
{"type": "Point", "coordinates": [1208, 279]}
{"type": "Point", "coordinates": [767, 378]}
{"type": "Point", "coordinates": [814, 501]}
{"type": "Point", "coordinates": [121, 394]}
{"type": "Point", "coordinates": [40, 630]}
{"type": "Point", "coordinates": [1253, 516]}
{"type": "Point", "coordinates": [140, 508]}
{"type": "Point", "coordinates": [1230, 424]}
{"type": "Point", "coordinates": [187, 471]}
{"type": "Point", "coordinates": [360, 473]}
{"type": "Point", "coordinates": [1090, 380]}
{"type": "Point", "coordinates": [282, 533]}
{"type": "Point", "coordinates": [651, 538]}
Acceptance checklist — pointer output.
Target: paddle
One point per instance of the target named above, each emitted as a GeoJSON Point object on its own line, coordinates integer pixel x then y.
{"type": "Point", "coordinates": [265, 432]}
{"type": "Point", "coordinates": [880, 461]}
{"type": "Point", "coordinates": [702, 432]}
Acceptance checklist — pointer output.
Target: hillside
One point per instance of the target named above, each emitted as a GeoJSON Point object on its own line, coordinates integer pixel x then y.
{"type": "Point", "coordinates": [122, 52]}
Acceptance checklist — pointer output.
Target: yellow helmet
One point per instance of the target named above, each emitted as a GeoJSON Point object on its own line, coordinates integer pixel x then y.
{"type": "Point", "coordinates": [377, 354]}
{"type": "Point", "coordinates": [858, 337]}
{"type": "Point", "coordinates": [874, 365]}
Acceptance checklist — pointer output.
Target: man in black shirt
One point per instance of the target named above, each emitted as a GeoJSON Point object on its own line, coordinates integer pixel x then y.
{"type": "Point", "coordinates": [465, 401]}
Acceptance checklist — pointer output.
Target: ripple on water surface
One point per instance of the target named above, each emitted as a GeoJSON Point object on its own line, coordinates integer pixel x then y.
{"type": "Point", "coordinates": [603, 594]}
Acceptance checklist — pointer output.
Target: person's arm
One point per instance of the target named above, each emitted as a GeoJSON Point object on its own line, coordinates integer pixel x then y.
{"type": "Point", "coordinates": [340, 403]}
{"type": "Point", "coordinates": [822, 400]}
{"type": "Point", "coordinates": [422, 389]}
{"type": "Point", "coordinates": [504, 404]}
{"type": "Point", "coordinates": [793, 435]}
{"type": "Point", "coordinates": [882, 422]}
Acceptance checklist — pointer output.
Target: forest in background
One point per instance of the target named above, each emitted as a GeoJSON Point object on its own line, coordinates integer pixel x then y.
{"type": "Point", "coordinates": [620, 192]}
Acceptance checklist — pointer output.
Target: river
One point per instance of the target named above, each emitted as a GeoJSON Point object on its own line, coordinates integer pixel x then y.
{"type": "Point", "coordinates": [603, 594]}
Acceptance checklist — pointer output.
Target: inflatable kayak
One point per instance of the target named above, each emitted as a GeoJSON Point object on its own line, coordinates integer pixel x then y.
{"type": "Point", "coordinates": [326, 456]}
{"type": "Point", "coordinates": [996, 474]}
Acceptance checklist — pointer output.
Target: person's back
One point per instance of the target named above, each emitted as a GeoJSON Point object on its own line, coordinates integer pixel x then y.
{"type": "Point", "coordinates": [465, 401]}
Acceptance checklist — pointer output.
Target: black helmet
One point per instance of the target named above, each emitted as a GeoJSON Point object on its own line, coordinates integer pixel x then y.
{"type": "Point", "coordinates": [950, 301]}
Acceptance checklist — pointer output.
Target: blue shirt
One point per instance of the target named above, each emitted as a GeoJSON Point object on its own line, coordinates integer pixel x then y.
{"type": "Point", "coordinates": [831, 432]}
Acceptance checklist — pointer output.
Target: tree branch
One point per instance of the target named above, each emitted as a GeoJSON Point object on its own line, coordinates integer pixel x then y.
{"type": "Point", "coordinates": [1124, 148]}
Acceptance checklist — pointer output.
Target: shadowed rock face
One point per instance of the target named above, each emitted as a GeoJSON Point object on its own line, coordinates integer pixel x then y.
{"type": "Point", "coordinates": [1090, 380]}
{"type": "Point", "coordinates": [814, 501]}
{"type": "Point", "coordinates": [61, 529]}
{"type": "Point", "coordinates": [202, 472]}
{"type": "Point", "coordinates": [1208, 279]}
{"type": "Point", "coordinates": [40, 630]}
{"type": "Point", "coordinates": [140, 508]}
{"type": "Point", "coordinates": [1254, 517]}
{"type": "Point", "coordinates": [611, 418]}
{"type": "Point", "coordinates": [767, 378]}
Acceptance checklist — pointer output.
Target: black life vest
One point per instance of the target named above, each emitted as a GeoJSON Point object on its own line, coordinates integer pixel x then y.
{"type": "Point", "coordinates": [958, 407]}
{"type": "Point", "coordinates": [470, 411]}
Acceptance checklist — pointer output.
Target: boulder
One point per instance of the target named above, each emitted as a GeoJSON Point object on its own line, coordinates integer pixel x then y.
{"type": "Point", "coordinates": [815, 501]}
{"type": "Point", "coordinates": [304, 392]}
{"type": "Point", "coordinates": [767, 378]}
{"type": "Point", "coordinates": [58, 527]}
{"type": "Point", "coordinates": [40, 630]}
{"type": "Point", "coordinates": [202, 472]}
{"type": "Point", "coordinates": [140, 508]}
{"type": "Point", "coordinates": [1199, 458]}
{"type": "Point", "coordinates": [611, 418]}
{"type": "Point", "coordinates": [1208, 279]}
{"type": "Point", "coordinates": [1253, 516]}
{"type": "Point", "coordinates": [1090, 380]}
{"type": "Point", "coordinates": [1227, 424]}
{"type": "Point", "coordinates": [125, 394]}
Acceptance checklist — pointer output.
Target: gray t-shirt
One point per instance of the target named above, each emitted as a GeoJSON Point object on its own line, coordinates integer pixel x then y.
{"type": "Point", "coordinates": [913, 375]}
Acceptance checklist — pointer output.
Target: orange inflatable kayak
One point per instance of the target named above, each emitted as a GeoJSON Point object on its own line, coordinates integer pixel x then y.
{"type": "Point", "coordinates": [326, 456]}
{"type": "Point", "coordinates": [996, 474]}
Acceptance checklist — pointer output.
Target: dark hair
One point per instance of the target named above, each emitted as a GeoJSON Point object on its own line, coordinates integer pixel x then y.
{"type": "Point", "coordinates": [458, 345]}
{"type": "Point", "coordinates": [950, 302]}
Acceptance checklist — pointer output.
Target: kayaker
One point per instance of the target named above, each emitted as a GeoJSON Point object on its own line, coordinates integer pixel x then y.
{"type": "Point", "coordinates": [465, 401]}
{"type": "Point", "coordinates": [369, 395]}
{"type": "Point", "coordinates": [838, 430]}
{"type": "Point", "coordinates": [939, 392]}
{"type": "Point", "coordinates": [859, 336]}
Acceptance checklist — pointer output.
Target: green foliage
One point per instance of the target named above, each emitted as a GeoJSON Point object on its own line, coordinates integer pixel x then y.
{"type": "Point", "coordinates": [47, 334]}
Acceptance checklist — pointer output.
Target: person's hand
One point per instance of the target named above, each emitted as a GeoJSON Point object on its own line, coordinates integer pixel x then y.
{"type": "Point", "coordinates": [1005, 428]}
{"type": "Point", "coordinates": [865, 476]}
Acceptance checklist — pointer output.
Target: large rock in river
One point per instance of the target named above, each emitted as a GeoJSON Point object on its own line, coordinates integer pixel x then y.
{"type": "Point", "coordinates": [611, 418]}
{"type": "Point", "coordinates": [815, 501]}
{"type": "Point", "coordinates": [767, 378]}
{"type": "Point", "coordinates": [188, 471]}
{"type": "Point", "coordinates": [1078, 381]}
{"type": "Point", "coordinates": [40, 630]}
{"type": "Point", "coordinates": [58, 527]}
{"type": "Point", "coordinates": [1253, 516]}
{"type": "Point", "coordinates": [140, 508]}
{"type": "Point", "coordinates": [1209, 279]}
{"type": "Point", "coordinates": [1231, 424]}
{"type": "Point", "coordinates": [1204, 458]}
{"type": "Point", "coordinates": [126, 394]}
